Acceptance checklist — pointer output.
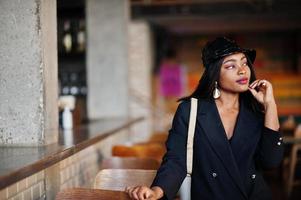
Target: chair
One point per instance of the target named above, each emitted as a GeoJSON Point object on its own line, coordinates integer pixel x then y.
{"type": "Point", "coordinates": [158, 137]}
{"type": "Point", "coordinates": [91, 194]}
{"type": "Point", "coordinates": [288, 126]}
{"type": "Point", "coordinates": [293, 161]}
{"type": "Point", "coordinates": [118, 179]}
{"type": "Point", "coordinates": [142, 150]}
{"type": "Point", "coordinates": [129, 163]}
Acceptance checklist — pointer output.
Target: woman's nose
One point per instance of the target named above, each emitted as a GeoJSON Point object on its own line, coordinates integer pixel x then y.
{"type": "Point", "coordinates": [242, 71]}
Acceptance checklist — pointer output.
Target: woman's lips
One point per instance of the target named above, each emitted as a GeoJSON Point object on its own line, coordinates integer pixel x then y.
{"type": "Point", "coordinates": [242, 81]}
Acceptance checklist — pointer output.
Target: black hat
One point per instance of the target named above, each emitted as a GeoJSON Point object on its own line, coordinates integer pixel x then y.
{"type": "Point", "coordinates": [221, 47]}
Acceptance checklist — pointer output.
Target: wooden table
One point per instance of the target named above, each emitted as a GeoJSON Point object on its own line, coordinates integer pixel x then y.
{"type": "Point", "coordinates": [91, 194]}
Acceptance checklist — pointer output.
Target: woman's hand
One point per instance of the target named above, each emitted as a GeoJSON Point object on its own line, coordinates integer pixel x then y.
{"type": "Point", "coordinates": [264, 93]}
{"type": "Point", "coordinates": [144, 193]}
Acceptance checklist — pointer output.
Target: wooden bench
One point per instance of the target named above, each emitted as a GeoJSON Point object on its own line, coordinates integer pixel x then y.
{"type": "Point", "coordinates": [91, 194]}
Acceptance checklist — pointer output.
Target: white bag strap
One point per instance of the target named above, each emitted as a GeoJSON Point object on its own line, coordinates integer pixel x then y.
{"type": "Point", "coordinates": [191, 130]}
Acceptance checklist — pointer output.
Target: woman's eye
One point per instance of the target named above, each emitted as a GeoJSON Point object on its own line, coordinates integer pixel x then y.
{"type": "Point", "coordinates": [245, 64]}
{"type": "Point", "coordinates": [230, 67]}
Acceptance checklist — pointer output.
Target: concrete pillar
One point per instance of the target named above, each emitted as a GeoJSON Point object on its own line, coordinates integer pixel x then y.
{"type": "Point", "coordinates": [107, 58]}
{"type": "Point", "coordinates": [140, 72]}
{"type": "Point", "coordinates": [28, 72]}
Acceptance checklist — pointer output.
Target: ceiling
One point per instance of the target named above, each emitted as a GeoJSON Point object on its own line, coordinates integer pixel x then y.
{"type": "Point", "coordinates": [207, 16]}
{"type": "Point", "coordinates": [212, 16]}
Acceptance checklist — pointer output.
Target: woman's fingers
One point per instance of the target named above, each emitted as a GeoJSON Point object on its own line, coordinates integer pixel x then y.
{"type": "Point", "coordinates": [148, 194]}
{"type": "Point", "coordinates": [135, 193]}
{"type": "Point", "coordinates": [131, 192]}
{"type": "Point", "coordinates": [142, 193]}
{"type": "Point", "coordinates": [254, 84]}
{"type": "Point", "coordinates": [258, 83]}
{"type": "Point", "coordinates": [262, 90]}
{"type": "Point", "coordinates": [138, 192]}
{"type": "Point", "coordinates": [253, 91]}
{"type": "Point", "coordinates": [127, 189]}
{"type": "Point", "coordinates": [262, 83]}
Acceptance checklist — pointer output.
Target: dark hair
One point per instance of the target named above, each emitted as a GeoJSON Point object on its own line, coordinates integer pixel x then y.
{"type": "Point", "coordinates": [207, 83]}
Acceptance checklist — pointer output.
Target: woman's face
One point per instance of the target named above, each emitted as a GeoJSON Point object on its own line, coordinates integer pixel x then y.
{"type": "Point", "coordinates": [235, 74]}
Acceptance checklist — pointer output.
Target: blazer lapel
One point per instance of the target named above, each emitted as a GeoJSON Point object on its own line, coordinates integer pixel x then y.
{"type": "Point", "coordinates": [209, 120]}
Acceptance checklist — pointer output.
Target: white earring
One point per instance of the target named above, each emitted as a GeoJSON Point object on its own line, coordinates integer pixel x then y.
{"type": "Point", "coordinates": [216, 92]}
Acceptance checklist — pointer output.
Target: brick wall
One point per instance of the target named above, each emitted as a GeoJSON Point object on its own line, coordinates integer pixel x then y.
{"type": "Point", "coordinates": [32, 187]}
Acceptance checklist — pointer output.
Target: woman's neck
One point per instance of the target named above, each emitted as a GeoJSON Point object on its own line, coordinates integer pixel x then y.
{"type": "Point", "coordinates": [228, 100]}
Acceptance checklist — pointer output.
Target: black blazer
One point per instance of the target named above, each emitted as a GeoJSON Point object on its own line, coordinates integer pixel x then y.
{"type": "Point", "coordinates": [222, 169]}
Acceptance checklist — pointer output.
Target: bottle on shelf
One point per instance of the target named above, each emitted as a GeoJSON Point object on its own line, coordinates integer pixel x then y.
{"type": "Point", "coordinates": [66, 105]}
{"type": "Point", "coordinates": [67, 37]}
{"type": "Point", "coordinates": [67, 118]}
{"type": "Point", "coordinates": [81, 37]}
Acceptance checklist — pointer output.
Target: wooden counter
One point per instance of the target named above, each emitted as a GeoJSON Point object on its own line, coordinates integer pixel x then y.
{"type": "Point", "coordinates": [17, 163]}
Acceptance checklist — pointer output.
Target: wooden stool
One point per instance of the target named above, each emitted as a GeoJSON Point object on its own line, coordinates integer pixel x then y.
{"type": "Point", "coordinates": [118, 179]}
{"type": "Point", "coordinates": [91, 194]}
{"type": "Point", "coordinates": [129, 163]}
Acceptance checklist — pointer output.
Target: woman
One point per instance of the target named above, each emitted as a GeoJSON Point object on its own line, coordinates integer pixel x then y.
{"type": "Point", "coordinates": [236, 132]}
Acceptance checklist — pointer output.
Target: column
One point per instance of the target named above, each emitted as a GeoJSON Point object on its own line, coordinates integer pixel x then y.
{"type": "Point", "coordinates": [107, 58]}
{"type": "Point", "coordinates": [140, 72]}
{"type": "Point", "coordinates": [28, 72]}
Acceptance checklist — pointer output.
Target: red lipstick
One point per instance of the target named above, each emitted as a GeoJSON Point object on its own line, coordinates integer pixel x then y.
{"type": "Point", "coordinates": [242, 81]}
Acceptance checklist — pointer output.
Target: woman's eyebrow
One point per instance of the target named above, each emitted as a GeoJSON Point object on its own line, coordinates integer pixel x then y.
{"type": "Point", "coordinates": [233, 60]}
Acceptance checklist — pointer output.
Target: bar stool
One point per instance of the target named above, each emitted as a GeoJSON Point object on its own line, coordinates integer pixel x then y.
{"type": "Point", "coordinates": [91, 194]}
